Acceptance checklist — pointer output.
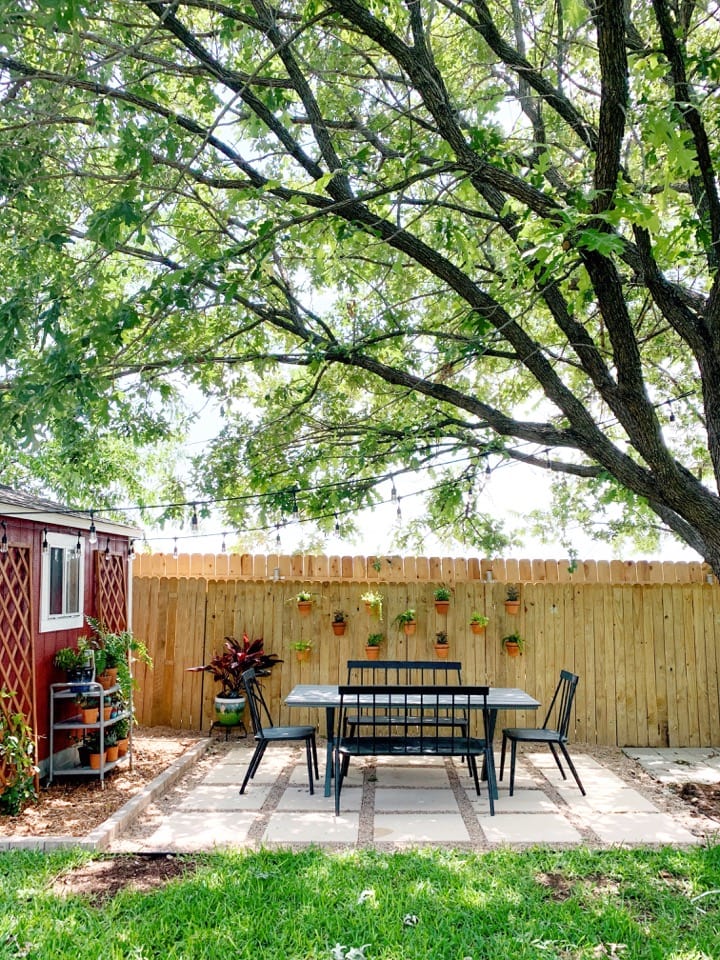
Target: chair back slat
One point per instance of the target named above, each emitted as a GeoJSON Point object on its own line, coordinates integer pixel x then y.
{"type": "Point", "coordinates": [256, 701]}
{"type": "Point", "coordinates": [560, 709]}
{"type": "Point", "coordinates": [399, 672]}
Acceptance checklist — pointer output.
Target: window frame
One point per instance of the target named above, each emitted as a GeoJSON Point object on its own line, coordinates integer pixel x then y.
{"type": "Point", "coordinates": [61, 621]}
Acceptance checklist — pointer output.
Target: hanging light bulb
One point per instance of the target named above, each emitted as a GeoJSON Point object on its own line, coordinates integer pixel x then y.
{"type": "Point", "coordinates": [671, 418]}
{"type": "Point", "coordinates": [107, 549]}
{"type": "Point", "coordinates": [175, 550]}
{"type": "Point", "coordinates": [45, 546]}
{"type": "Point", "coordinates": [488, 471]}
{"type": "Point", "coordinates": [278, 541]}
{"type": "Point", "coordinates": [295, 507]}
{"type": "Point", "coordinates": [194, 523]}
{"type": "Point", "coordinates": [223, 545]}
{"type": "Point", "coordinates": [337, 525]}
{"type": "Point", "coordinates": [131, 550]}
{"type": "Point", "coordinates": [78, 545]}
{"type": "Point", "coordinates": [399, 511]}
{"type": "Point", "coordinates": [4, 540]}
{"type": "Point", "coordinates": [393, 491]}
{"type": "Point", "coordinates": [92, 538]}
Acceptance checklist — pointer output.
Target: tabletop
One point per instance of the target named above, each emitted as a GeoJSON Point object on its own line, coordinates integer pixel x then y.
{"type": "Point", "coordinates": [327, 695]}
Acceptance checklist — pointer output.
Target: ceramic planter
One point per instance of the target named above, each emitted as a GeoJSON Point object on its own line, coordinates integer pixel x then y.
{"type": "Point", "coordinates": [304, 607]}
{"type": "Point", "coordinates": [512, 607]}
{"type": "Point", "coordinates": [372, 653]}
{"type": "Point", "coordinates": [339, 628]}
{"type": "Point", "coordinates": [302, 655]}
{"type": "Point", "coordinates": [442, 606]}
{"type": "Point", "coordinates": [442, 650]}
{"type": "Point", "coordinates": [513, 649]}
{"type": "Point", "coordinates": [229, 710]}
{"type": "Point", "coordinates": [477, 627]}
{"type": "Point", "coordinates": [410, 627]}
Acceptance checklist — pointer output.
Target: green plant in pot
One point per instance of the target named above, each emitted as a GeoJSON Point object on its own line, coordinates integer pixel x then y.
{"type": "Point", "coordinates": [372, 645]}
{"type": "Point", "coordinates": [406, 621]}
{"type": "Point", "coordinates": [116, 651]}
{"type": "Point", "coordinates": [513, 644]}
{"type": "Point", "coordinates": [442, 599]}
{"type": "Point", "coordinates": [227, 668]}
{"type": "Point", "coordinates": [77, 662]}
{"type": "Point", "coordinates": [478, 621]}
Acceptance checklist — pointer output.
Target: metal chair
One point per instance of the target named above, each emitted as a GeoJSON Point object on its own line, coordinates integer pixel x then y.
{"type": "Point", "coordinates": [272, 734]}
{"type": "Point", "coordinates": [554, 736]}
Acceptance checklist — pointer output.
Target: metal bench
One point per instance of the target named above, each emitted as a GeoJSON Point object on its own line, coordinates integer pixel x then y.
{"type": "Point", "coordinates": [406, 721]}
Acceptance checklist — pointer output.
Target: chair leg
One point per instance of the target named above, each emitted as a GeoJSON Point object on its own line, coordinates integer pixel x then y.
{"type": "Point", "coordinates": [473, 770]}
{"type": "Point", "coordinates": [314, 753]}
{"type": "Point", "coordinates": [254, 763]}
{"type": "Point", "coordinates": [572, 768]}
{"type": "Point", "coordinates": [489, 762]}
{"type": "Point", "coordinates": [557, 759]}
{"type": "Point", "coordinates": [308, 757]}
{"type": "Point", "coordinates": [513, 757]}
{"type": "Point", "coordinates": [502, 756]}
{"type": "Point", "coordinates": [339, 776]}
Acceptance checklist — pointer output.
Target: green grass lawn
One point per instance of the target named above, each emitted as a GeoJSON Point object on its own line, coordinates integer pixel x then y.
{"type": "Point", "coordinates": [429, 905]}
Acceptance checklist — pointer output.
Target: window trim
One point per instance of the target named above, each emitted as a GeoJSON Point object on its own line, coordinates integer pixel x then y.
{"type": "Point", "coordinates": [61, 621]}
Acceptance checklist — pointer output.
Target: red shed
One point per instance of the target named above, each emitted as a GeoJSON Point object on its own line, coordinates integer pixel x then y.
{"type": "Point", "coordinates": [57, 565]}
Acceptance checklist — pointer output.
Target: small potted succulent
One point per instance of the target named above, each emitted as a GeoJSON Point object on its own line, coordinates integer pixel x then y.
{"type": "Point", "coordinates": [372, 645]}
{"type": "Point", "coordinates": [512, 600]}
{"type": "Point", "coordinates": [89, 709]}
{"type": "Point", "coordinates": [442, 600]}
{"type": "Point", "coordinates": [513, 644]}
{"type": "Point", "coordinates": [339, 623]}
{"type": "Point", "coordinates": [302, 649]}
{"type": "Point", "coordinates": [442, 647]}
{"type": "Point", "coordinates": [478, 622]}
{"type": "Point", "coordinates": [407, 621]}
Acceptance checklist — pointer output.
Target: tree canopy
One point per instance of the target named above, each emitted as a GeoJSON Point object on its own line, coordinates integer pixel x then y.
{"type": "Point", "coordinates": [408, 235]}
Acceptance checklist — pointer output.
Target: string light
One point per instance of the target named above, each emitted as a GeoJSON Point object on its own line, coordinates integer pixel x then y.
{"type": "Point", "coordinates": [78, 545]}
{"type": "Point", "coordinates": [337, 524]}
{"type": "Point", "coordinates": [194, 523]}
{"type": "Point", "coordinates": [45, 546]}
{"type": "Point", "coordinates": [393, 491]}
{"type": "Point", "coordinates": [295, 508]}
{"type": "Point", "coordinates": [175, 549]}
{"type": "Point", "coordinates": [131, 550]}
{"type": "Point", "coordinates": [223, 545]}
{"type": "Point", "coordinates": [399, 511]}
{"type": "Point", "coordinates": [4, 540]}
{"type": "Point", "coordinates": [92, 537]}
{"type": "Point", "coordinates": [107, 549]}
{"type": "Point", "coordinates": [278, 541]}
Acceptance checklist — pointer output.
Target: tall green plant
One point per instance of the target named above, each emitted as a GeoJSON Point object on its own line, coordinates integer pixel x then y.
{"type": "Point", "coordinates": [17, 757]}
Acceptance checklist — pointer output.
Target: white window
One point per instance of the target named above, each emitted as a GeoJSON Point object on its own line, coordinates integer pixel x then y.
{"type": "Point", "coordinates": [63, 584]}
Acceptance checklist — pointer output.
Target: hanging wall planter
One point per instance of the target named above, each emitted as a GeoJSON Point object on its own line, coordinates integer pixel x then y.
{"type": "Point", "coordinates": [339, 623]}
{"type": "Point", "coordinates": [304, 603]}
{"type": "Point", "coordinates": [407, 621]}
{"type": "Point", "coordinates": [513, 644]}
{"type": "Point", "coordinates": [512, 601]}
{"type": "Point", "coordinates": [303, 649]}
{"type": "Point", "coordinates": [442, 600]}
{"type": "Point", "coordinates": [478, 622]}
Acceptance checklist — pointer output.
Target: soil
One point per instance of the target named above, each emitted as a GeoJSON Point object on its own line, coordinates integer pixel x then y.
{"type": "Point", "coordinates": [703, 797]}
{"type": "Point", "coordinates": [74, 806]}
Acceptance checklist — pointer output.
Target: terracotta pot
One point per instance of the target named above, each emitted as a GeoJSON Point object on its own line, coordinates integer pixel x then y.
{"type": "Point", "coordinates": [442, 606]}
{"type": "Point", "coordinates": [107, 712]}
{"type": "Point", "coordinates": [112, 753]}
{"type": "Point", "coordinates": [123, 746]}
{"type": "Point", "coordinates": [410, 628]}
{"type": "Point", "coordinates": [442, 650]}
{"type": "Point", "coordinates": [339, 628]}
{"type": "Point", "coordinates": [477, 627]}
{"type": "Point", "coordinates": [513, 649]}
{"type": "Point", "coordinates": [512, 607]}
{"type": "Point", "coordinates": [106, 679]}
{"type": "Point", "coordinates": [302, 655]}
{"type": "Point", "coordinates": [372, 653]}
{"type": "Point", "coordinates": [95, 760]}
{"type": "Point", "coordinates": [90, 715]}
{"type": "Point", "coordinates": [304, 607]}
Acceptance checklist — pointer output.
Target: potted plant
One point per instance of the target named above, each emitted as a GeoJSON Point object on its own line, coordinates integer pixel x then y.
{"type": "Point", "coordinates": [304, 602]}
{"type": "Point", "coordinates": [513, 644]}
{"type": "Point", "coordinates": [512, 600]}
{"type": "Point", "coordinates": [442, 647]}
{"type": "Point", "coordinates": [122, 730]}
{"type": "Point", "coordinates": [111, 745]}
{"type": "Point", "coordinates": [478, 622]}
{"type": "Point", "coordinates": [407, 621]}
{"type": "Point", "coordinates": [339, 623]}
{"type": "Point", "coordinates": [113, 653]}
{"type": "Point", "coordinates": [442, 599]}
{"type": "Point", "coordinates": [77, 662]}
{"type": "Point", "coordinates": [372, 645]}
{"type": "Point", "coordinates": [227, 668]}
{"type": "Point", "coordinates": [373, 603]}
{"type": "Point", "coordinates": [92, 744]}
{"type": "Point", "coordinates": [302, 649]}
{"type": "Point", "coordinates": [89, 709]}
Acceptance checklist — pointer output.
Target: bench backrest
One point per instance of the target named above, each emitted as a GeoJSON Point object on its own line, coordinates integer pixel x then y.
{"type": "Point", "coordinates": [419, 714]}
{"type": "Point", "coordinates": [436, 672]}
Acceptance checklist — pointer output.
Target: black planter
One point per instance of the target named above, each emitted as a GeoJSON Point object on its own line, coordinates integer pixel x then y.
{"type": "Point", "coordinates": [81, 677]}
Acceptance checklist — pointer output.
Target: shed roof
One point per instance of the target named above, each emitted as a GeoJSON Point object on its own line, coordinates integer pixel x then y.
{"type": "Point", "coordinates": [28, 506]}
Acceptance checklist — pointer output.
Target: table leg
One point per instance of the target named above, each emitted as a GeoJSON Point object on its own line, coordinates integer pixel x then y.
{"type": "Point", "coordinates": [492, 778]}
{"type": "Point", "coordinates": [330, 724]}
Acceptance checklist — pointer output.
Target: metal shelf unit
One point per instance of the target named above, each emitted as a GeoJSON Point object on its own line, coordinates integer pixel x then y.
{"type": "Point", "coordinates": [60, 693]}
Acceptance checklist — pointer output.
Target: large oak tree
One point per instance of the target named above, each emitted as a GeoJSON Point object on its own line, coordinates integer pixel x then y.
{"type": "Point", "coordinates": [385, 235]}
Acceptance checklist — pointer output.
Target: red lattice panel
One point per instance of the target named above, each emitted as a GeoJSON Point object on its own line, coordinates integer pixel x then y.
{"type": "Point", "coordinates": [111, 591]}
{"type": "Point", "coordinates": [16, 651]}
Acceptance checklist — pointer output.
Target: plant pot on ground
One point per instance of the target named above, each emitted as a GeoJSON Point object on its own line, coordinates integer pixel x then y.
{"type": "Point", "coordinates": [227, 668]}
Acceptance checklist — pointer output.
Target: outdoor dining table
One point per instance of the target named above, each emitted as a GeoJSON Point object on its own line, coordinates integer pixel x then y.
{"type": "Point", "coordinates": [327, 696]}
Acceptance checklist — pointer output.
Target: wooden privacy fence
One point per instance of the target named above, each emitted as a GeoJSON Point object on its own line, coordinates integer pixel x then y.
{"type": "Point", "coordinates": [647, 654]}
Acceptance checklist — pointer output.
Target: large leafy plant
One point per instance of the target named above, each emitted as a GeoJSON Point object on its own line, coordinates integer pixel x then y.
{"type": "Point", "coordinates": [227, 668]}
